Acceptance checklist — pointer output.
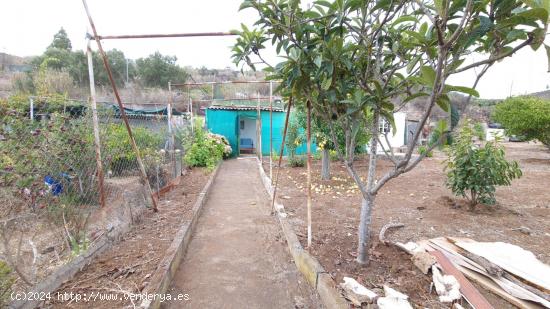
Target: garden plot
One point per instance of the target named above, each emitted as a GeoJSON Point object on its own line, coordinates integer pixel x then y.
{"type": "Point", "coordinates": [421, 202]}
{"type": "Point", "coordinates": [129, 264]}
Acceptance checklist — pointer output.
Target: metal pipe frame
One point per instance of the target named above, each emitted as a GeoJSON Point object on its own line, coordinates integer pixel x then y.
{"type": "Point", "coordinates": [162, 35]}
{"type": "Point", "coordinates": [121, 106]}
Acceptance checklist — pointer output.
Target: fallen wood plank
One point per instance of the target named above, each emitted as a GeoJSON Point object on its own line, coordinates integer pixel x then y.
{"type": "Point", "coordinates": [513, 289]}
{"type": "Point", "coordinates": [512, 258]}
{"type": "Point", "coordinates": [490, 285]}
{"type": "Point", "coordinates": [471, 294]}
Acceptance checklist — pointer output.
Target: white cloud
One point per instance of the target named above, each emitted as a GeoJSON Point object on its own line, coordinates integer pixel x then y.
{"type": "Point", "coordinates": [27, 28]}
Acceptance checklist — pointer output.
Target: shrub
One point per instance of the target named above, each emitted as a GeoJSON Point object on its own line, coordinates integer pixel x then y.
{"type": "Point", "coordinates": [474, 172]}
{"type": "Point", "coordinates": [297, 161]}
{"type": "Point", "coordinates": [317, 155]}
{"type": "Point", "coordinates": [118, 150]}
{"type": "Point", "coordinates": [479, 132]}
{"type": "Point", "coordinates": [275, 156]}
{"type": "Point", "coordinates": [333, 155]}
{"type": "Point", "coordinates": [422, 151]}
{"type": "Point", "coordinates": [6, 282]}
{"type": "Point", "coordinates": [207, 149]}
{"type": "Point", "coordinates": [525, 116]}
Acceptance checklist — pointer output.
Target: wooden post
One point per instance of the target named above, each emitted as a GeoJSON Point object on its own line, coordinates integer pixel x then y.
{"type": "Point", "coordinates": [121, 107]}
{"type": "Point", "coordinates": [31, 112]}
{"type": "Point", "coordinates": [271, 130]}
{"type": "Point", "coordinates": [309, 174]}
{"type": "Point", "coordinates": [259, 127]}
{"type": "Point", "coordinates": [281, 154]}
{"type": "Point", "coordinates": [95, 122]}
{"type": "Point", "coordinates": [192, 117]}
{"type": "Point", "coordinates": [171, 131]}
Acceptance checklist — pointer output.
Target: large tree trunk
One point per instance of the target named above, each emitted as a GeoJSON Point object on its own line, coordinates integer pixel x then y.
{"type": "Point", "coordinates": [325, 164]}
{"type": "Point", "coordinates": [364, 229]}
{"type": "Point", "coordinates": [368, 198]}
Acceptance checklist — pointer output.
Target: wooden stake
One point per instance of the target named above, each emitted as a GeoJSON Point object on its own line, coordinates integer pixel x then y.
{"type": "Point", "coordinates": [270, 130]}
{"type": "Point", "coordinates": [309, 236]}
{"type": "Point", "coordinates": [95, 122]}
{"type": "Point", "coordinates": [281, 155]}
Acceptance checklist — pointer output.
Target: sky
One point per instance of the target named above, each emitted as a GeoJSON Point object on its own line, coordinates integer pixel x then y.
{"type": "Point", "coordinates": [27, 28]}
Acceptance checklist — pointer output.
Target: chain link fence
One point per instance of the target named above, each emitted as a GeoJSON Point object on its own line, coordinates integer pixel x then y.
{"type": "Point", "coordinates": [50, 188]}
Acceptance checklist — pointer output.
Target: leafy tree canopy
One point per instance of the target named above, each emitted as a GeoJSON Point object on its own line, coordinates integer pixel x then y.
{"type": "Point", "coordinates": [157, 70]}
{"type": "Point", "coordinates": [61, 41]}
{"type": "Point", "coordinates": [525, 116]}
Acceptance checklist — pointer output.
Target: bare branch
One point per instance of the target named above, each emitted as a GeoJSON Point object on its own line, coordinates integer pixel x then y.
{"type": "Point", "coordinates": [494, 59]}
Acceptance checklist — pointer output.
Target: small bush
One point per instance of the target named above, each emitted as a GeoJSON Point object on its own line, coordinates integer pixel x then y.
{"type": "Point", "coordinates": [528, 117]}
{"type": "Point", "coordinates": [333, 155]}
{"type": "Point", "coordinates": [479, 131]}
{"type": "Point", "coordinates": [297, 161]}
{"type": "Point", "coordinates": [474, 172]}
{"type": "Point", "coordinates": [422, 151]}
{"type": "Point", "coordinates": [317, 155]}
{"type": "Point", "coordinates": [7, 279]}
{"type": "Point", "coordinates": [275, 156]}
{"type": "Point", "coordinates": [207, 149]}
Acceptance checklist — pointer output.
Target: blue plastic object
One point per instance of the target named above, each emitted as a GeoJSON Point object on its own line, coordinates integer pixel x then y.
{"type": "Point", "coordinates": [56, 188]}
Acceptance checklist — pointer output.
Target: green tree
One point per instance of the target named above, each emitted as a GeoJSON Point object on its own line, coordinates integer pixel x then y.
{"type": "Point", "coordinates": [157, 70]}
{"type": "Point", "coordinates": [525, 116]}
{"type": "Point", "coordinates": [474, 172]}
{"type": "Point", "coordinates": [352, 58]}
{"type": "Point", "coordinates": [61, 41]}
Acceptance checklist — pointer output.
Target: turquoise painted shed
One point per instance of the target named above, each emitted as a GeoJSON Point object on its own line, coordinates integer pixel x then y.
{"type": "Point", "coordinates": [247, 127]}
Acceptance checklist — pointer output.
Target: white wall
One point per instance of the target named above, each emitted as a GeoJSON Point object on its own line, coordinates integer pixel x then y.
{"type": "Point", "coordinates": [397, 138]}
{"type": "Point", "coordinates": [491, 133]}
{"type": "Point", "coordinates": [249, 130]}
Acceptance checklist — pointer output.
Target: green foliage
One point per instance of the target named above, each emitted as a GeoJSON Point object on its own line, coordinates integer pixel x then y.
{"type": "Point", "coordinates": [479, 132]}
{"type": "Point", "coordinates": [423, 151]}
{"type": "Point", "coordinates": [475, 171]}
{"type": "Point", "coordinates": [7, 279]}
{"type": "Point", "coordinates": [207, 149]}
{"type": "Point", "coordinates": [275, 156]}
{"type": "Point", "coordinates": [297, 161]}
{"type": "Point", "coordinates": [295, 135]}
{"type": "Point", "coordinates": [333, 155]}
{"type": "Point", "coordinates": [157, 70]}
{"type": "Point", "coordinates": [525, 116]}
{"type": "Point", "coordinates": [61, 40]}
{"type": "Point", "coordinates": [118, 151]}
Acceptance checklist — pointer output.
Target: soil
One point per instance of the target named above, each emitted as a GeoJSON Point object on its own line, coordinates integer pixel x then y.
{"type": "Point", "coordinates": [237, 257]}
{"type": "Point", "coordinates": [420, 200]}
{"type": "Point", "coordinates": [127, 266]}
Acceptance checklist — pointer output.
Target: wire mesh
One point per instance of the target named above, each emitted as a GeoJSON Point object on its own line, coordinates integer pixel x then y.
{"type": "Point", "coordinates": [49, 180]}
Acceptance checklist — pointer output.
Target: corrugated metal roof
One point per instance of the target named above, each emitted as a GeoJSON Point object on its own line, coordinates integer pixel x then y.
{"type": "Point", "coordinates": [247, 105]}
{"type": "Point", "coordinates": [245, 108]}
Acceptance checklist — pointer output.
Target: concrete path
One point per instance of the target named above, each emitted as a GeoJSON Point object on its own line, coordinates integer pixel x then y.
{"type": "Point", "coordinates": [237, 257]}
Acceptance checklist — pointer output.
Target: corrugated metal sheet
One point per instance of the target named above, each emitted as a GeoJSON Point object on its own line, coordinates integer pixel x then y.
{"type": "Point", "coordinates": [245, 108]}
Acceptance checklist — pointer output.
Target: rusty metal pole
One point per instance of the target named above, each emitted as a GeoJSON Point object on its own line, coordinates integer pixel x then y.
{"type": "Point", "coordinates": [121, 107]}
{"type": "Point", "coordinates": [95, 122]}
{"type": "Point", "coordinates": [271, 131]}
{"type": "Point", "coordinates": [309, 174]}
{"type": "Point", "coordinates": [281, 154]}
{"type": "Point", "coordinates": [163, 35]}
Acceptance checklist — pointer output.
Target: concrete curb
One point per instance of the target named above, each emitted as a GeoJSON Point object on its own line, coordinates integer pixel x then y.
{"type": "Point", "coordinates": [162, 277]}
{"type": "Point", "coordinates": [308, 265]}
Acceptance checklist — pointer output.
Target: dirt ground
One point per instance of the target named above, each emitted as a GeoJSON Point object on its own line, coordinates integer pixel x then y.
{"type": "Point", "coordinates": [237, 257]}
{"type": "Point", "coordinates": [420, 200]}
{"type": "Point", "coordinates": [128, 265]}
